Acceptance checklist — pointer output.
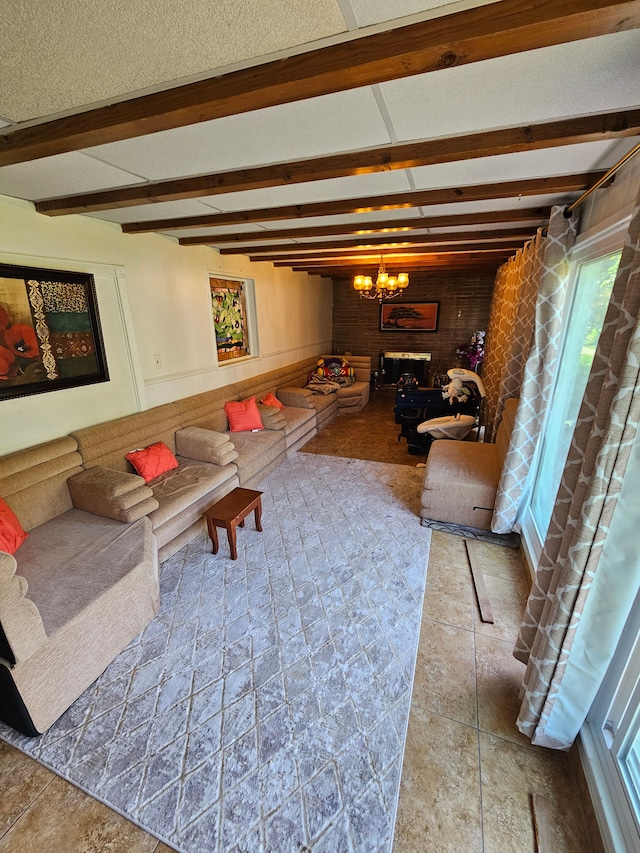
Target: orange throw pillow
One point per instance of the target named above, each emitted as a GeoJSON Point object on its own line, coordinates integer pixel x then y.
{"type": "Point", "coordinates": [243, 415]}
{"type": "Point", "coordinates": [272, 400]}
{"type": "Point", "coordinates": [152, 461]}
{"type": "Point", "coordinates": [11, 533]}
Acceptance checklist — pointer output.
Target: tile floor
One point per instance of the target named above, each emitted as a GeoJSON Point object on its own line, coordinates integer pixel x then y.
{"type": "Point", "coordinates": [467, 775]}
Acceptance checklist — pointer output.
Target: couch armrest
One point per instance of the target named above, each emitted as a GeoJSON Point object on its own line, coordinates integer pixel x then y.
{"type": "Point", "coordinates": [300, 398]}
{"type": "Point", "coordinates": [112, 494]}
{"type": "Point", "coordinates": [20, 618]}
{"type": "Point", "coordinates": [272, 417]}
{"type": "Point", "coordinates": [205, 445]}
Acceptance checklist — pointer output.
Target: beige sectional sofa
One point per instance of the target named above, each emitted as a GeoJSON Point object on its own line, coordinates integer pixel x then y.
{"type": "Point", "coordinates": [85, 581]}
{"type": "Point", "coordinates": [461, 477]}
{"type": "Point", "coordinates": [78, 590]}
{"type": "Point", "coordinates": [352, 398]}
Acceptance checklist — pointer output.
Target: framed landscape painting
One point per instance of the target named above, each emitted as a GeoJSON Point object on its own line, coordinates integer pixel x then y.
{"type": "Point", "coordinates": [50, 336]}
{"type": "Point", "coordinates": [409, 316]}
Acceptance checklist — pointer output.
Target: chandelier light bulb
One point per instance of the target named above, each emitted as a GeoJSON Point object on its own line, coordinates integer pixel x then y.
{"type": "Point", "coordinates": [386, 286]}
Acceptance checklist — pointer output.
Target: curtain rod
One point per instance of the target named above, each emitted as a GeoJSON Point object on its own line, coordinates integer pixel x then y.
{"type": "Point", "coordinates": [609, 174]}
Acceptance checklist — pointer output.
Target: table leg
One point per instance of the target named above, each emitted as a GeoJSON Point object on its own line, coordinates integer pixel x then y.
{"type": "Point", "coordinates": [231, 536]}
{"type": "Point", "coordinates": [213, 535]}
{"type": "Point", "coordinates": [258, 515]}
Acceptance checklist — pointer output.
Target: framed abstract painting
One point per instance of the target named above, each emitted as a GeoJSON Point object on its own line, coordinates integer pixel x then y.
{"type": "Point", "coordinates": [50, 335]}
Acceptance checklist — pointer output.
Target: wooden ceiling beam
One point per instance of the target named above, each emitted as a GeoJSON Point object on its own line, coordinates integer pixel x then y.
{"type": "Point", "coordinates": [509, 140]}
{"type": "Point", "coordinates": [331, 259]}
{"type": "Point", "coordinates": [393, 201]}
{"type": "Point", "coordinates": [395, 260]}
{"type": "Point", "coordinates": [392, 226]}
{"type": "Point", "coordinates": [487, 265]}
{"type": "Point", "coordinates": [451, 237]}
{"type": "Point", "coordinates": [473, 35]}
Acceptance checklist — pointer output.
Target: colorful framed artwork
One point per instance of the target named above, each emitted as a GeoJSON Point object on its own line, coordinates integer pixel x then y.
{"type": "Point", "coordinates": [229, 307]}
{"type": "Point", "coordinates": [409, 316]}
{"type": "Point", "coordinates": [50, 335]}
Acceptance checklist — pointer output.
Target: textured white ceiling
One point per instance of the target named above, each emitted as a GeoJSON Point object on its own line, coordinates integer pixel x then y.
{"type": "Point", "coordinates": [59, 55]}
{"type": "Point", "coordinates": [588, 76]}
{"type": "Point", "coordinates": [566, 160]}
{"type": "Point", "coordinates": [62, 54]}
{"type": "Point", "coordinates": [343, 121]}
{"type": "Point", "coordinates": [367, 12]}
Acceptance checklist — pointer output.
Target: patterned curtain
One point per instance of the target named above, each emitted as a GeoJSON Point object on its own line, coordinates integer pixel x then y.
{"type": "Point", "coordinates": [542, 343]}
{"type": "Point", "coordinates": [509, 329]}
{"type": "Point", "coordinates": [600, 448]}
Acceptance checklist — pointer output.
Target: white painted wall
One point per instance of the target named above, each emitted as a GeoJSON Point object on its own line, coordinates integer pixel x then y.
{"type": "Point", "coordinates": [153, 297]}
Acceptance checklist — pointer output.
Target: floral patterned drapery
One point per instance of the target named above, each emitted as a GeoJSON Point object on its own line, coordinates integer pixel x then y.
{"type": "Point", "coordinates": [601, 445]}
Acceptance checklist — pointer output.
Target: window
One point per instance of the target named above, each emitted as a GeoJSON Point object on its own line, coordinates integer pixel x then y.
{"type": "Point", "coordinates": [591, 293]}
{"type": "Point", "coordinates": [611, 741]}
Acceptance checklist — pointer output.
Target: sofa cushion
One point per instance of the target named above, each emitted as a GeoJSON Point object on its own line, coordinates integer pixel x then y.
{"type": "Point", "coordinates": [108, 443]}
{"type": "Point", "coordinates": [324, 404]}
{"type": "Point", "coordinates": [299, 398]}
{"type": "Point", "coordinates": [112, 494]}
{"type": "Point", "coordinates": [183, 490]}
{"type": "Point", "coordinates": [64, 564]}
{"type": "Point", "coordinates": [300, 426]}
{"type": "Point", "coordinates": [152, 461]}
{"type": "Point", "coordinates": [243, 415]}
{"type": "Point", "coordinates": [294, 419]}
{"type": "Point", "coordinates": [205, 445]}
{"type": "Point", "coordinates": [33, 482]}
{"type": "Point", "coordinates": [272, 418]}
{"type": "Point", "coordinates": [11, 533]}
{"type": "Point", "coordinates": [256, 451]}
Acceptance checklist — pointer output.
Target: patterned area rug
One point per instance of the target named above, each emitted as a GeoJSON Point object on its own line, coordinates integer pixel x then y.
{"type": "Point", "coordinates": [266, 707]}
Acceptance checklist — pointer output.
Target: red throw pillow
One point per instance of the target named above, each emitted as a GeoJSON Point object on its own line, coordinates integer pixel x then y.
{"type": "Point", "coordinates": [11, 533]}
{"type": "Point", "coordinates": [272, 400]}
{"type": "Point", "coordinates": [243, 415]}
{"type": "Point", "coordinates": [152, 461]}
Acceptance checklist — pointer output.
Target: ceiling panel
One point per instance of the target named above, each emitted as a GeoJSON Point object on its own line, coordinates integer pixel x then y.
{"type": "Point", "coordinates": [223, 230]}
{"type": "Point", "coordinates": [271, 228]}
{"type": "Point", "coordinates": [589, 76]}
{"type": "Point", "coordinates": [568, 159]}
{"type": "Point", "coordinates": [344, 121]}
{"type": "Point", "coordinates": [80, 53]}
{"type": "Point", "coordinates": [497, 204]}
{"type": "Point", "coordinates": [336, 188]}
{"type": "Point", "coordinates": [62, 174]}
{"type": "Point", "coordinates": [161, 210]}
{"type": "Point", "coordinates": [368, 12]}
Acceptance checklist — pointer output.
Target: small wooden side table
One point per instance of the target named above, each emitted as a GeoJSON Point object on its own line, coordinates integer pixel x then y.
{"type": "Point", "coordinates": [231, 511]}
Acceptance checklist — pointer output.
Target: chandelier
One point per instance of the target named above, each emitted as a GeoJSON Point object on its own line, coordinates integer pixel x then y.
{"type": "Point", "coordinates": [386, 286]}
